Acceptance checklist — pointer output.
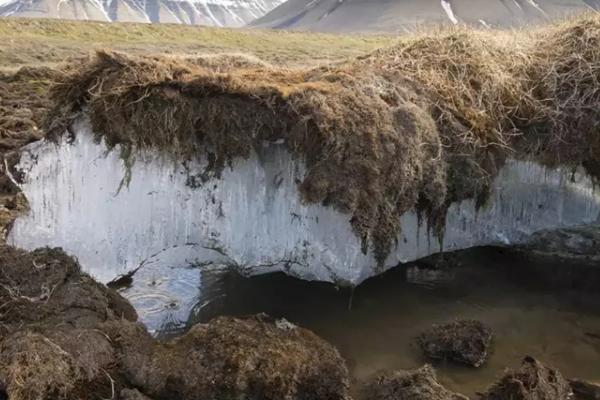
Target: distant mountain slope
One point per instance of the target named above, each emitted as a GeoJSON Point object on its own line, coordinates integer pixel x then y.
{"type": "Point", "coordinates": [197, 12]}
{"type": "Point", "coordinates": [396, 15]}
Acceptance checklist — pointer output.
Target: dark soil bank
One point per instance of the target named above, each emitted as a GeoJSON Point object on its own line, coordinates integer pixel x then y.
{"type": "Point", "coordinates": [64, 336]}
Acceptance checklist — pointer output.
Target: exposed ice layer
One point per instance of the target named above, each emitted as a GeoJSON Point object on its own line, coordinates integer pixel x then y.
{"type": "Point", "coordinates": [253, 217]}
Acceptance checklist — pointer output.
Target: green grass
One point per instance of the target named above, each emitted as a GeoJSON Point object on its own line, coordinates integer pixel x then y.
{"type": "Point", "coordinates": [47, 42]}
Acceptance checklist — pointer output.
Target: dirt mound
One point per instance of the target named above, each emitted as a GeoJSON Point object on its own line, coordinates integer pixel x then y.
{"type": "Point", "coordinates": [51, 343]}
{"type": "Point", "coordinates": [58, 363]}
{"type": "Point", "coordinates": [416, 126]}
{"type": "Point", "coordinates": [253, 358]}
{"type": "Point", "coordinates": [223, 62]}
{"type": "Point", "coordinates": [36, 368]}
{"type": "Point", "coordinates": [46, 286]}
{"type": "Point", "coordinates": [464, 341]}
{"type": "Point", "coordinates": [533, 381]}
{"type": "Point", "coordinates": [420, 384]}
{"type": "Point", "coordinates": [64, 336]}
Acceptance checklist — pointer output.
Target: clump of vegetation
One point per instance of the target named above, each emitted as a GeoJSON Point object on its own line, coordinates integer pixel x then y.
{"type": "Point", "coordinates": [532, 381]}
{"type": "Point", "coordinates": [419, 384]}
{"type": "Point", "coordinates": [64, 336]}
{"type": "Point", "coordinates": [416, 126]}
{"type": "Point", "coordinates": [462, 341]}
{"type": "Point", "coordinates": [23, 105]}
{"type": "Point", "coordinates": [34, 367]}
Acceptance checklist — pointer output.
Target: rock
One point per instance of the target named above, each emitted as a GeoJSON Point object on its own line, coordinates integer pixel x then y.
{"type": "Point", "coordinates": [533, 381]}
{"type": "Point", "coordinates": [420, 384]}
{"type": "Point", "coordinates": [249, 358]}
{"type": "Point", "coordinates": [585, 390]}
{"type": "Point", "coordinates": [463, 341]}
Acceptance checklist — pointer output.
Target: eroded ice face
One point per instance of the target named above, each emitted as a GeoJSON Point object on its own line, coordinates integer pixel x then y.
{"type": "Point", "coordinates": [116, 220]}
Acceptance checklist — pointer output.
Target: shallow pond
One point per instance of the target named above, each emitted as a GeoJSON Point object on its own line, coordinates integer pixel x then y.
{"type": "Point", "coordinates": [536, 310]}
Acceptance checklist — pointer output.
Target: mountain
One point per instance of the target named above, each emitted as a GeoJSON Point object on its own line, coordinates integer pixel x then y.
{"type": "Point", "coordinates": [230, 13]}
{"type": "Point", "coordinates": [402, 15]}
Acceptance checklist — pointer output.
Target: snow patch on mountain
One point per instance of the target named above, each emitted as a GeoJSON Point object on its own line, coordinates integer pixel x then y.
{"type": "Point", "coordinates": [230, 13]}
{"type": "Point", "coordinates": [408, 15]}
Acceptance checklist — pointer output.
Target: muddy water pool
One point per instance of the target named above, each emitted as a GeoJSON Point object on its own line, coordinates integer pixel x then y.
{"type": "Point", "coordinates": [548, 312]}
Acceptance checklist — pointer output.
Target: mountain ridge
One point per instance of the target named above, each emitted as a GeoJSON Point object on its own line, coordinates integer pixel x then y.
{"type": "Point", "coordinates": [226, 13]}
{"type": "Point", "coordinates": [408, 15]}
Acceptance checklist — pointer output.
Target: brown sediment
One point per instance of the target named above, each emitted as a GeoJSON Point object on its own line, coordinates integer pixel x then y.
{"type": "Point", "coordinates": [416, 126]}
{"type": "Point", "coordinates": [65, 336]}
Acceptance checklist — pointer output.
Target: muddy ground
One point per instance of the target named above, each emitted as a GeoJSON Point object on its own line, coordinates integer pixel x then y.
{"type": "Point", "coordinates": [65, 336]}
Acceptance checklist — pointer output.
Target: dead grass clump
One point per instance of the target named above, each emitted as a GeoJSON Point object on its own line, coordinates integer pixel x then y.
{"type": "Point", "coordinates": [475, 89]}
{"type": "Point", "coordinates": [46, 286]}
{"type": "Point", "coordinates": [533, 381]}
{"type": "Point", "coordinates": [462, 341]}
{"type": "Point", "coordinates": [368, 149]}
{"type": "Point", "coordinates": [566, 69]}
{"type": "Point", "coordinates": [232, 358]}
{"type": "Point", "coordinates": [415, 126]}
{"type": "Point", "coordinates": [23, 103]}
{"type": "Point", "coordinates": [419, 384]}
{"type": "Point", "coordinates": [222, 62]}
{"type": "Point", "coordinates": [35, 368]}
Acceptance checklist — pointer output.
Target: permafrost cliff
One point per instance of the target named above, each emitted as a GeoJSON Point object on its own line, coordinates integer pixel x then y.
{"type": "Point", "coordinates": [147, 217]}
{"type": "Point", "coordinates": [331, 174]}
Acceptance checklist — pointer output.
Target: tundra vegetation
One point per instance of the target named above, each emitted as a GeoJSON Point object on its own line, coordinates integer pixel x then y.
{"type": "Point", "coordinates": [384, 125]}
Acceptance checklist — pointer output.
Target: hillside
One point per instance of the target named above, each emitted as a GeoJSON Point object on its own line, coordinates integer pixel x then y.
{"type": "Point", "coordinates": [403, 15]}
{"type": "Point", "coordinates": [231, 13]}
{"type": "Point", "coordinates": [47, 42]}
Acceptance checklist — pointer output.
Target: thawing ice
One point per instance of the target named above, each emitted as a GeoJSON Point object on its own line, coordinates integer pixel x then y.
{"type": "Point", "coordinates": [251, 219]}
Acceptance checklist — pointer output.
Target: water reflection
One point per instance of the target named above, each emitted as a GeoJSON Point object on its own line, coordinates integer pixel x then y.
{"type": "Point", "coordinates": [547, 311]}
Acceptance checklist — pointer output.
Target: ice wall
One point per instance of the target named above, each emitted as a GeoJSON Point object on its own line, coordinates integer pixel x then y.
{"type": "Point", "coordinates": [253, 217]}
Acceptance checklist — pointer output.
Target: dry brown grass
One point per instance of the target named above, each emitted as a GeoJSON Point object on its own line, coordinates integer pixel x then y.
{"type": "Point", "coordinates": [414, 126]}
{"type": "Point", "coordinates": [35, 368]}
